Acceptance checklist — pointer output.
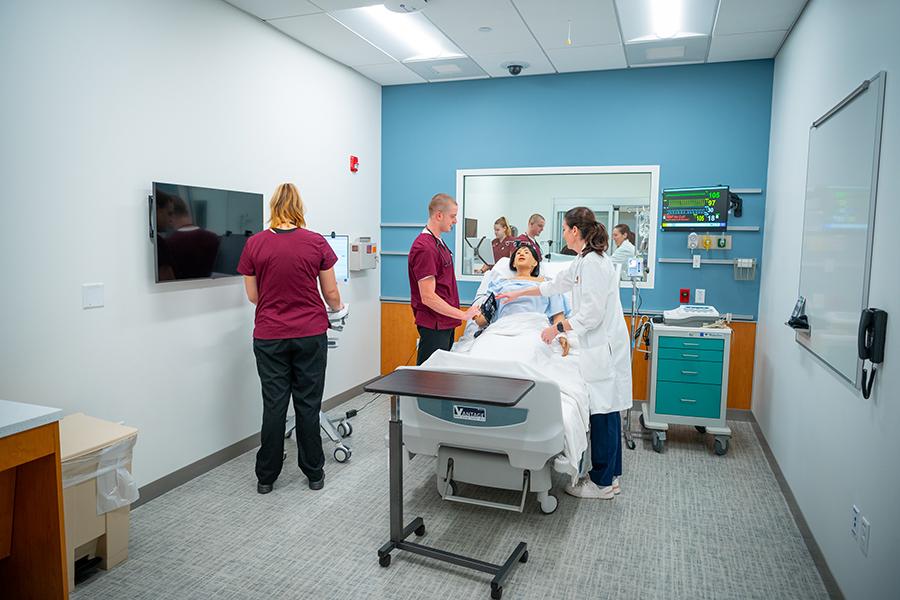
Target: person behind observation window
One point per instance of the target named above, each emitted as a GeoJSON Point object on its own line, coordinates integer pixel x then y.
{"type": "Point", "coordinates": [284, 267]}
{"type": "Point", "coordinates": [535, 228]}
{"type": "Point", "coordinates": [503, 245]}
{"type": "Point", "coordinates": [624, 240]}
{"type": "Point", "coordinates": [432, 284]}
{"type": "Point", "coordinates": [193, 249]}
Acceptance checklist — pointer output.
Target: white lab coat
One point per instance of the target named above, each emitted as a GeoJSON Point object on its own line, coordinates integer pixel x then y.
{"type": "Point", "coordinates": [597, 318]}
{"type": "Point", "coordinates": [622, 254]}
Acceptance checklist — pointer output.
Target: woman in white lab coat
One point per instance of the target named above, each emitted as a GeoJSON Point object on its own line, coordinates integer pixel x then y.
{"type": "Point", "coordinates": [605, 352]}
{"type": "Point", "coordinates": [624, 240]}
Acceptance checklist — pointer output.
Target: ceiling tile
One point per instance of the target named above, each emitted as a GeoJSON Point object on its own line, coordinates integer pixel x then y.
{"type": "Point", "coordinates": [588, 58]}
{"type": "Point", "coordinates": [645, 21]}
{"type": "Point", "coordinates": [667, 52]}
{"type": "Point", "coordinates": [392, 74]}
{"type": "Point", "coordinates": [745, 16]}
{"type": "Point", "coordinates": [446, 69]}
{"type": "Point", "coordinates": [331, 5]}
{"type": "Point", "coordinates": [460, 20]}
{"type": "Point", "coordinates": [593, 21]}
{"type": "Point", "coordinates": [745, 46]}
{"type": "Point", "coordinates": [329, 37]}
{"type": "Point", "coordinates": [494, 63]}
{"type": "Point", "coordinates": [274, 9]}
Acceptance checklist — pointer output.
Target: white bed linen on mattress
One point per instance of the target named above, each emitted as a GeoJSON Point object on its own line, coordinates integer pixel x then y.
{"type": "Point", "coordinates": [512, 347]}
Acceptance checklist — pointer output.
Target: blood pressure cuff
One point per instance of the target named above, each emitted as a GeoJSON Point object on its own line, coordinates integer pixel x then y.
{"type": "Point", "coordinates": [489, 307]}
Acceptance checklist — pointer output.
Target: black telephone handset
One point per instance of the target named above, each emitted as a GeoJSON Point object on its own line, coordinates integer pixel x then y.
{"type": "Point", "coordinates": [870, 343]}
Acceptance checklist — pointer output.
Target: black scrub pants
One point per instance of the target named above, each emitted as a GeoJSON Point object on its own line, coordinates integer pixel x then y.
{"type": "Point", "coordinates": [431, 340]}
{"type": "Point", "coordinates": [291, 368]}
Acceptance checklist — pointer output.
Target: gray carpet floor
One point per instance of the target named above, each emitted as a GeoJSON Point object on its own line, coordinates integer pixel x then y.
{"type": "Point", "coordinates": [688, 524]}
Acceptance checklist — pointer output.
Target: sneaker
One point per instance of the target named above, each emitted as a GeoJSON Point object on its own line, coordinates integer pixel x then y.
{"type": "Point", "coordinates": [616, 486]}
{"type": "Point", "coordinates": [588, 489]}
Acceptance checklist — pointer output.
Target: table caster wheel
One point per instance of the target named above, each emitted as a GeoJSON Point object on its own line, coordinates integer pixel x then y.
{"type": "Point", "coordinates": [548, 506]}
{"type": "Point", "coordinates": [342, 454]}
{"type": "Point", "coordinates": [420, 530]}
{"type": "Point", "coordinates": [496, 591]}
{"type": "Point", "coordinates": [384, 560]}
{"type": "Point", "coordinates": [630, 444]}
{"type": "Point", "coordinates": [658, 442]}
{"type": "Point", "coordinates": [345, 429]}
{"type": "Point", "coordinates": [524, 557]}
{"type": "Point", "coordinates": [700, 428]}
{"type": "Point", "coordinates": [721, 446]}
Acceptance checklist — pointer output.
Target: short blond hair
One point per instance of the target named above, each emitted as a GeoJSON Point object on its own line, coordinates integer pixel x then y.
{"type": "Point", "coordinates": [286, 207]}
{"type": "Point", "coordinates": [440, 203]}
{"type": "Point", "coordinates": [533, 218]}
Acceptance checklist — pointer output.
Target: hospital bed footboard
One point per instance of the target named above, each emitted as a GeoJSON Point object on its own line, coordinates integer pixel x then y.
{"type": "Point", "coordinates": [510, 448]}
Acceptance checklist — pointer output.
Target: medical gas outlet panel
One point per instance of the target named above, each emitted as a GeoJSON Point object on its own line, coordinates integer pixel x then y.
{"type": "Point", "coordinates": [363, 254]}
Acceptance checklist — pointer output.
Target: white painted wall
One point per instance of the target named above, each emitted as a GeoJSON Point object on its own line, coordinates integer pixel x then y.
{"type": "Point", "coordinates": [100, 98]}
{"type": "Point", "coordinates": [835, 448]}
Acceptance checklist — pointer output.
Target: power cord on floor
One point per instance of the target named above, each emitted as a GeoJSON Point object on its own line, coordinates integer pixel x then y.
{"type": "Point", "coordinates": [352, 413]}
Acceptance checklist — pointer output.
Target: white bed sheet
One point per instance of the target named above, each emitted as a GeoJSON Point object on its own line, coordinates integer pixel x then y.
{"type": "Point", "coordinates": [512, 347]}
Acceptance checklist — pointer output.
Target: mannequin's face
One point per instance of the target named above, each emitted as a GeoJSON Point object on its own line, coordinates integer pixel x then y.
{"type": "Point", "coordinates": [524, 260]}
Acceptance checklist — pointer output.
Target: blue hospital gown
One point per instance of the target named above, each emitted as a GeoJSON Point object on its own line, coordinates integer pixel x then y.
{"type": "Point", "coordinates": [549, 305]}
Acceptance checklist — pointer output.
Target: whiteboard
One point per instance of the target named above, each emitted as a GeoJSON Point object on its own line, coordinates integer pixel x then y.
{"type": "Point", "coordinates": [839, 214]}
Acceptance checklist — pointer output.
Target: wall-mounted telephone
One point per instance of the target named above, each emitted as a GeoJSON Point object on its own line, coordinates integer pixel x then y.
{"type": "Point", "coordinates": [870, 342]}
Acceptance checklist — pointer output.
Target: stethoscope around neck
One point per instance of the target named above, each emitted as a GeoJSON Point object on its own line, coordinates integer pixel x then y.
{"type": "Point", "coordinates": [440, 243]}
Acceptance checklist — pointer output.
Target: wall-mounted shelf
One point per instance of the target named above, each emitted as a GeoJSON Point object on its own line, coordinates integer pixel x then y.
{"type": "Point", "coordinates": [743, 228]}
{"type": "Point", "coordinates": [403, 225]}
{"type": "Point", "coordinates": [393, 253]}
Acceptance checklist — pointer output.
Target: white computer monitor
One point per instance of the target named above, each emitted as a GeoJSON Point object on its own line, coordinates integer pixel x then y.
{"type": "Point", "coordinates": [341, 246]}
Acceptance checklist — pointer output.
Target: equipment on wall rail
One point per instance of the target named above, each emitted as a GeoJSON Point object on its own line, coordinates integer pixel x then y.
{"type": "Point", "coordinates": [870, 340]}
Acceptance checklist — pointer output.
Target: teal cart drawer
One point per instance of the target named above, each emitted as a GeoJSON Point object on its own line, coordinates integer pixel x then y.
{"type": "Point", "coordinates": [691, 343]}
{"type": "Point", "coordinates": [688, 399]}
{"type": "Point", "coordinates": [690, 354]}
{"type": "Point", "coordinates": [689, 371]}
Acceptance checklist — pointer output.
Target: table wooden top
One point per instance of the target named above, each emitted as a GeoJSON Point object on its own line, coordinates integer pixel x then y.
{"type": "Point", "coordinates": [457, 387]}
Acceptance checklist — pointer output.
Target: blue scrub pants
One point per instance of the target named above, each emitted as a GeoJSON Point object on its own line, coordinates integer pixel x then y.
{"type": "Point", "coordinates": [606, 448]}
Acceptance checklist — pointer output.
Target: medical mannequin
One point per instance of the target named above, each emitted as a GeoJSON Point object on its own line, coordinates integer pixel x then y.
{"type": "Point", "coordinates": [605, 356]}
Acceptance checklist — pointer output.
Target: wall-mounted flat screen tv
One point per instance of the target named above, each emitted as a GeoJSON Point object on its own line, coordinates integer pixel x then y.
{"type": "Point", "coordinates": [199, 233]}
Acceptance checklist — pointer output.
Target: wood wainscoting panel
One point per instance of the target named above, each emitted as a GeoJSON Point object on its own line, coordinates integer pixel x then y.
{"type": "Point", "coordinates": [398, 348]}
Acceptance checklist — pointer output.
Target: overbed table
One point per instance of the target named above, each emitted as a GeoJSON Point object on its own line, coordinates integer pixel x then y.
{"type": "Point", "coordinates": [449, 387]}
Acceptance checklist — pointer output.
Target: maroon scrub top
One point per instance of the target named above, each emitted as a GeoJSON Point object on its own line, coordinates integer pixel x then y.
{"type": "Point", "coordinates": [503, 248]}
{"type": "Point", "coordinates": [429, 256]}
{"type": "Point", "coordinates": [286, 264]}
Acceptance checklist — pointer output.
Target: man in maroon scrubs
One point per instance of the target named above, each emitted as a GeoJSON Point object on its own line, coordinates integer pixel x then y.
{"type": "Point", "coordinates": [535, 227]}
{"type": "Point", "coordinates": [432, 283]}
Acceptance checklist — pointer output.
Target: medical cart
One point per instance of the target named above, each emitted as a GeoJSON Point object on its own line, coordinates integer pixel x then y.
{"type": "Point", "coordinates": [688, 382]}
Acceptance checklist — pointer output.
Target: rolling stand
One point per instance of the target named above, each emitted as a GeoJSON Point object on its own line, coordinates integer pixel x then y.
{"type": "Point", "coordinates": [452, 387]}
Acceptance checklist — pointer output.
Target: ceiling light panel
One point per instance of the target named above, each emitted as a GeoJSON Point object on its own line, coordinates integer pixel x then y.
{"type": "Point", "coordinates": [461, 19]}
{"type": "Point", "coordinates": [588, 58]}
{"type": "Point", "coordinates": [684, 50]}
{"type": "Point", "coordinates": [444, 70]}
{"type": "Point", "coordinates": [593, 22]}
{"type": "Point", "coordinates": [651, 20]}
{"type": "Point", "coordinates": [276, 9]}
{"type": "Point", "coordinates": [740, 16]}
{"type": "Point", "coordinates": [406, 37]}
{"type": "Point", "coordinates": [329, 37]}
{"type": "Point", "coordinates": [745, 46]}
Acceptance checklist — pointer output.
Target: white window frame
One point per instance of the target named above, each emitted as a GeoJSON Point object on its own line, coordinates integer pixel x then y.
{"type": "Point", "coordinates": [652, 170]}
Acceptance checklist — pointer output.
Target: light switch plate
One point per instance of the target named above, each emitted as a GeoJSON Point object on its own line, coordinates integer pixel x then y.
{"type": "Point", "coordinates": [696, 259]}
{"type": "Point", "coordinates": [92, 295]}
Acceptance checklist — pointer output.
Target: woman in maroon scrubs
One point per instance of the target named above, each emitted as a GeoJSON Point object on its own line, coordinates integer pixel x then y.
{"type": "Point", "coordinates": [283, 268]}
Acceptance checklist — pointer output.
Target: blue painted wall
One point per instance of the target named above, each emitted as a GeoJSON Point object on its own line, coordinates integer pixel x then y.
{"type": "Point", "coordinates": [703, 124]}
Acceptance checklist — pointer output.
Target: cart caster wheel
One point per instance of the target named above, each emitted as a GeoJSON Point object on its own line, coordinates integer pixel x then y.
{"type": "Point", "coordinates": [658, 443]}
{"type": "Point", "coordinates": [700, 428]}
{"type": "Point", "coordinates": [342, 454]}
{"type": "Point", "coordinates": [721, 446]}
{"type": "Point", "coordinates": [496, 591]}
{"type": "Point", "coordinates": [384, 560]}
{"type": "Point", "coordinates": [630, 444]}
{"type": "Point", "coordinates": [420, 530]}
{"type": "Point", "coordinates": [524, 557]}
{"type": "Point", "coordinates": [641, 421]}
{"type": "Point", "coordinates": [345, 429]}
{"type": "Point", "coordinates": [548, 507]}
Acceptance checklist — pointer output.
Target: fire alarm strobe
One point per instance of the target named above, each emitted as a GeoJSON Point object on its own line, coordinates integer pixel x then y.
{"type": "Point", "coordinates": [354, 164]}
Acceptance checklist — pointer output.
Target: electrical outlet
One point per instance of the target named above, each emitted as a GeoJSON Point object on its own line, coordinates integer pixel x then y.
{"type": "Point", "coordinates": [699, 296]}
{"type": "Point", "coordinates": [864, 530]}
{"type": "Point", "coordinates": [854, 520]}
